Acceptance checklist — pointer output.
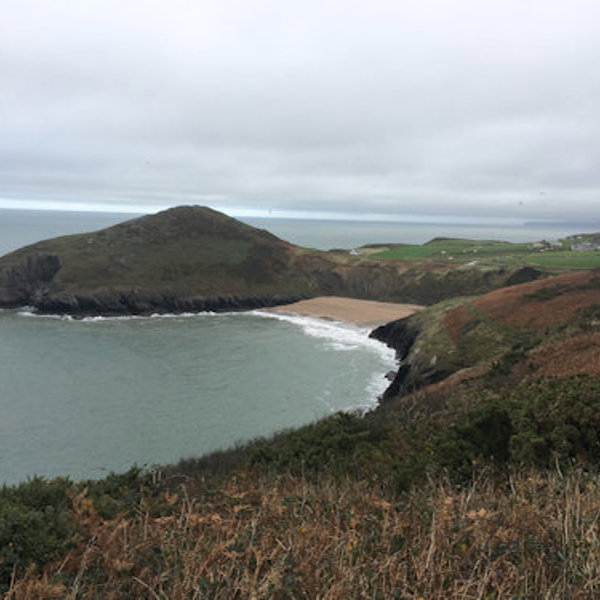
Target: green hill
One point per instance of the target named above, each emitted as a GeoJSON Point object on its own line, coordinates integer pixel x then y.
{"type": "Point", "coordinates": [184, 258]}
{"type": "Point", "coordinates": [194, 259]}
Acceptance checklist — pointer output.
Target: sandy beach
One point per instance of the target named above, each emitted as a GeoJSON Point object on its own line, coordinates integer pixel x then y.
{"type": "Point", "coordinates": [366, 313]}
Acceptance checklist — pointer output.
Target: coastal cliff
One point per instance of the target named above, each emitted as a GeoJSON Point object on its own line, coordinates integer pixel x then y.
{"type": "Point", "coordinates": [193, 258]}
{"type": "Point", "coordinates": [541, 326]}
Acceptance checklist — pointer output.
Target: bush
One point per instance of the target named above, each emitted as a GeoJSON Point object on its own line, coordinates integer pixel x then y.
{"type": "Point", "coordinates": [558, 419]}
{"type": "Point", "coordinates": [483, 435]}
{"type": "Point", "coordinates": [118, 492]}
{"type": "Point", "coordinates": [36, 524]}
{"type": "Point", "coordinates": [334, 444]}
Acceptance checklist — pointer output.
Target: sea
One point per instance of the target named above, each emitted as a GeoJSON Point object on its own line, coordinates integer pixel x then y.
{"type": "Point", "coordinates": [85, 397]}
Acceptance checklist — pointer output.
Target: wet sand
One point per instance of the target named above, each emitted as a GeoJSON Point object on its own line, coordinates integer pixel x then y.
{"type": "Point", "coordinates": [365, 313]}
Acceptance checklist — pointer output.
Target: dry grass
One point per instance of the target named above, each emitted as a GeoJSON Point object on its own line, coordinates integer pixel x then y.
{"type": "Point", "coordinates": [574, 355]}
{"type": "Point", "coordinates": [535, 537]}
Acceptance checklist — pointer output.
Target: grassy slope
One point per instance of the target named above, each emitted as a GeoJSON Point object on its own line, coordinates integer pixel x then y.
{"type": "Point", "coordinates": [191, 247]}
{"type": "Point", "coordinates": [460, 333]}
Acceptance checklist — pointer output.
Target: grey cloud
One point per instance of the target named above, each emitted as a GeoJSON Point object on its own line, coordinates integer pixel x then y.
{"type": "Point", "coordinates": [450, 107]}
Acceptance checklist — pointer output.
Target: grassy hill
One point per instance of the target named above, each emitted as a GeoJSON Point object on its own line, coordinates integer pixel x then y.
{"type": "Point", "coordinates": [194, 258]}
{"type": "Point", "coordinates": [182, 258]}
{"type": "Point", "coordinates": [462, 333]}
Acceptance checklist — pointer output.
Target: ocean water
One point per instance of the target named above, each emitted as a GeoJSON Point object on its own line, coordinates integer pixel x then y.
{"type": "Point", "coordinates": [325, 235]}
{"type": "Point", "coordinates": [86, 397]}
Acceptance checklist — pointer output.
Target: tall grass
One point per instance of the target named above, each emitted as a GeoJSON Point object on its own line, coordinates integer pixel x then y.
{"type": "Point", "coordinates": [533, 536]}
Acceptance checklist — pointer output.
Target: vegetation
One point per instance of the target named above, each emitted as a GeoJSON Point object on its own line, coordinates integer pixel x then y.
{"type": "Point", "coordinates": [488, 490]}
{"type": "Point", "coordinates": [479, 480]}
{"type": "Point", "coordinates": [568, 259]}
{"type": "Point", "coordinates": [554, 256]}
{"type": "Point", "coordinates": [194, 258]}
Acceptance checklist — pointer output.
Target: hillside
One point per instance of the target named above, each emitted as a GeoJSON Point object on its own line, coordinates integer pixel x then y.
{"type": "Point", "coordinates": [195, 258]}
{"type": "Point", "coordinates": [549, 325]}
{"type": "Point", "coordinates": [477, 477]}
{"type": "Point", "coordinates": [188, 258]}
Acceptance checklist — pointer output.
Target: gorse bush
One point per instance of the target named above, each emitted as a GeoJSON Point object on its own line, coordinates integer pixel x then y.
{"type": "Point", "coordinates": [557, 420]}
{"type": "Point", "coordinates": [483, 436]}
{"type": "Point", "coordinates": [36, 524]}
{"type": "Point", "coordinates": [38, 520]}
{"type": "Point", "coordinates": [341, 442]}
{"type": "Point", "coordinates": [534, 423]}
{"type": "Point", "coordinates": [538, 423]}
{"type": "Point", "coordinates": [119, 492]}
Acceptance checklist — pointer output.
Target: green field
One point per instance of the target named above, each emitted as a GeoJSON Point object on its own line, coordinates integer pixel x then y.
{"type": "Point", "coordinates": [582, 259]}
{"type": "Point", "coordinates": [558, 255]}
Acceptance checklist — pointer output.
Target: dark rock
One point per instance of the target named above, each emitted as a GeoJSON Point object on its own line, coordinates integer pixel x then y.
{"type": "Point", "coordinates": [399, 335]}
{"type": "Point", "coordinates": [28, 279]}
{"type": "Point", "coordinates": [524, 275]}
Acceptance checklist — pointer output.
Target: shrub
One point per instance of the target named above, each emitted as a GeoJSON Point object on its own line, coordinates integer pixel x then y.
{"type": "Point", "coordinates": [342, 441]}
{"type": "Point", "coordinates": [36, 524]}
{"type": "Point", "coordinates": [118, 492]}
{"type": "Point", "coordinates": [558, 419]}
{"type": "Point", "coordinates": [483, 435]}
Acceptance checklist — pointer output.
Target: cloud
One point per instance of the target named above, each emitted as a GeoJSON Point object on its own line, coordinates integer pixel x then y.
{"type": "Point", "coordinates": [451, 108]}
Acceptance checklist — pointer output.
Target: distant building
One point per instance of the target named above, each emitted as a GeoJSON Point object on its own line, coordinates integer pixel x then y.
{"type": "Point", "coordinates": [586, 246]}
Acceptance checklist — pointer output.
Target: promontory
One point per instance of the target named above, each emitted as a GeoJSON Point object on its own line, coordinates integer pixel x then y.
{"type": "Point", "coordinates": [193, 258]}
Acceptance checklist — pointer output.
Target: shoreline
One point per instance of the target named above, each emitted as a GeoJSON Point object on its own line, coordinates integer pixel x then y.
{"type": "Point", "coordinates": [364, 313]}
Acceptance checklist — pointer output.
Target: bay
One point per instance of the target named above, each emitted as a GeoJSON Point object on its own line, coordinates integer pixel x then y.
{"type": "Point", "coordinates": [85, 397]}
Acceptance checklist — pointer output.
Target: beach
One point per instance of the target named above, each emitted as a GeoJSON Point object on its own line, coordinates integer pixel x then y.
{"type": "Point", "coordinates": [365, 313]}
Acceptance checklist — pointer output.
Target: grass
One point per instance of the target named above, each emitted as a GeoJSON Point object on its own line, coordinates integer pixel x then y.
{"type": "Point", "coordinates": [459, 249]}
{"type": "Point", "coordinates": [530, 536]}
{"type": "Point", "coordinates": [491, 252]}
{"type": "Point", "coordinates": [567, 259]}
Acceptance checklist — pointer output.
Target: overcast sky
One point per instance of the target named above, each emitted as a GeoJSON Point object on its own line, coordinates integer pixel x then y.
{"type": "Point", "coordinates": [373, 108]}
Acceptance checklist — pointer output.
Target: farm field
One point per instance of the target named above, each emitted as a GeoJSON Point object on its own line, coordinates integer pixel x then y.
{"type": "Point", "coordinates": [555, 255]}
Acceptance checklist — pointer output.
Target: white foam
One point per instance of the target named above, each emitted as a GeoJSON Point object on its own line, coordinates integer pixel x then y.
{"type": "Point", "coordinates": [184, 315]}
{"type": "Point", "coordinates": [27, 311]}
{"type": "Point", "coordinates": [339, 336]}
{"type": "Point", "coordinates": [97, 319]}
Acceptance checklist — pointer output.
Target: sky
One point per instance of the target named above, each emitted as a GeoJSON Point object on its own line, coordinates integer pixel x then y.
{"type": "Point", "coordinates": [391, 110]}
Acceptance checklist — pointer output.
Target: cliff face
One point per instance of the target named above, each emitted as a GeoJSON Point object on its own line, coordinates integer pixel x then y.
{"type": "Point", "coordinates": [28, 278]}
